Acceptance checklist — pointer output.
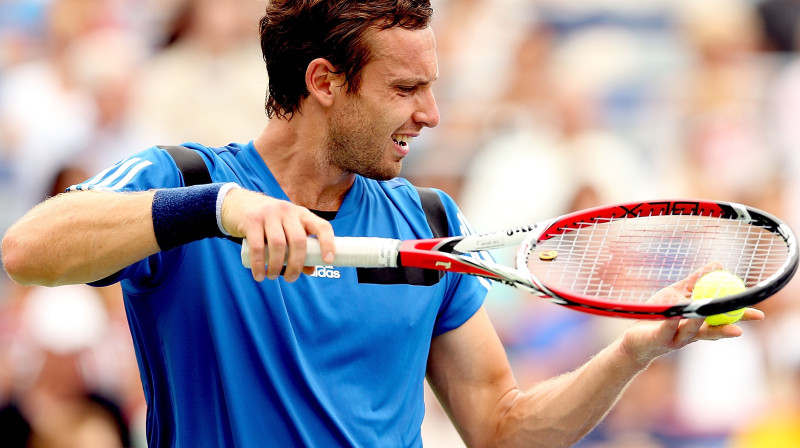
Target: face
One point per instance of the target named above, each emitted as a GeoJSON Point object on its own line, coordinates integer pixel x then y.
{"type": "Point", "coordinates": [370, 131]}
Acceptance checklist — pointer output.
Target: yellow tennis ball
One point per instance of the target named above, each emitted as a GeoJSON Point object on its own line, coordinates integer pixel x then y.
{"type": "Point", "coordinates": [715, 284]}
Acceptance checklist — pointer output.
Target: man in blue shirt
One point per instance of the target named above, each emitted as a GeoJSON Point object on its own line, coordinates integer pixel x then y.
{"type": "Point", "coordinates": [230, 357]}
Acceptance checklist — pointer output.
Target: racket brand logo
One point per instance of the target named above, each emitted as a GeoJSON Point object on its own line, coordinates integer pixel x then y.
{"type": "Point", "coordinates": [664, 208]}
{"type": "Point", "coordinates": [524, 229]}
{"type": "Point", "coordinates": [326, 272]}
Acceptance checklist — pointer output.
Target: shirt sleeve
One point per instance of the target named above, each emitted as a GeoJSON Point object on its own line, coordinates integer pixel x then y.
{"type": "Point", "coordinates": [464, 294]}
{"type": "Point", "coordinates": [149, 169]}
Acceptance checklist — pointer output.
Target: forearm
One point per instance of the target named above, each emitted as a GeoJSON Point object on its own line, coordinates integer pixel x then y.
{"type": "Point", "coordinates": [79, 237]}
{"type": "Point", "coordinates": [561, 411]}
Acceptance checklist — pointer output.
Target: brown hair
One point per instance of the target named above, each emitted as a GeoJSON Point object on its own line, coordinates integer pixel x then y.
{"type": "Point", "coordinates": [295, 32]}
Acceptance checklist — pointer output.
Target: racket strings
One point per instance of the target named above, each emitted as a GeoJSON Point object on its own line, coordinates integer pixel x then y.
{"type": "Point", "coordinates": [628, 260]}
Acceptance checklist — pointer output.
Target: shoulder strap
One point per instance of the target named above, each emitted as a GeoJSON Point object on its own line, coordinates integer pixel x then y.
{"type": "Point", "coordinates": [191, 164]}
{"type": "Point", "coordinates": [434, 210]}
{"type": "Point", "coordinates": [195, 172]}
{"type": "Point", "coordinates": [436, 215]}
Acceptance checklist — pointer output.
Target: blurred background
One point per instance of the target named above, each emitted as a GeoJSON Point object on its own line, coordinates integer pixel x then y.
{"type": "Point", "coordinates": [547, 106]}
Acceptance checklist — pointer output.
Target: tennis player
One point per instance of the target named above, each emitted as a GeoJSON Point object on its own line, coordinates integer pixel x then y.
{"type": "Point", "coordinates": [337, 357]}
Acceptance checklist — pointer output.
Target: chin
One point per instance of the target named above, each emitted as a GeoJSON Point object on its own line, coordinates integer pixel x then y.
{"type": "Point", "coordinates": [384, 172]}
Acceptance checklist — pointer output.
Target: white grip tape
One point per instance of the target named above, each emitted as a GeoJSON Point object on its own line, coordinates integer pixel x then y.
{"type": "Point", "coordinates": [360, 252]}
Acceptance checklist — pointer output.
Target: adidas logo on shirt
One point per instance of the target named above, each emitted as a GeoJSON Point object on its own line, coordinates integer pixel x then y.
{"type": "Point", "coordinates": [326, 272]}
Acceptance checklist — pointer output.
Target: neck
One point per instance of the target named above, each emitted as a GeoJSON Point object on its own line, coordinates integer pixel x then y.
{"type": "Point", "coordinates": [295, 156]}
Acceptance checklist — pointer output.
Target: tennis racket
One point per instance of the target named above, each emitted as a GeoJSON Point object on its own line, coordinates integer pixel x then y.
{"type": "Point", "coordinates": [608, 260]}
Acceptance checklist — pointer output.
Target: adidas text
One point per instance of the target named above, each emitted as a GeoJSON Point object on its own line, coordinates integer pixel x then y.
{"type": "Point", "coordinates": [326, 272]}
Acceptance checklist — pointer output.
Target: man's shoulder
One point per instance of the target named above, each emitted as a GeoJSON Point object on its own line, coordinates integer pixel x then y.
{"type": "Point", "coordinates": [402, 186]}
{"type": "Point", "coordinates": [436, 206]}
{"type": "Point", "coordinates": [207, 164]}
{"type": "Point", "coordinates": [397, 182]}
{"type": "Point", "coordinates": [233, 149]}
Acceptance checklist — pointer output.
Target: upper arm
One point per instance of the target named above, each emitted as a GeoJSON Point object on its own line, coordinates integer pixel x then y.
{"type": "Point", "coordinates": [470, 374]}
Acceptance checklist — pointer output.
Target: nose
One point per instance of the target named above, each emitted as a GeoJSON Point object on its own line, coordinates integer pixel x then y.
{"type": "Point", "coordinates": [427, 113]}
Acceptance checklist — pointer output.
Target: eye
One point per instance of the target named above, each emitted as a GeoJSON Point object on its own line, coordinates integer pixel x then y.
{"type": "Point", "coordinates": [407, 89]}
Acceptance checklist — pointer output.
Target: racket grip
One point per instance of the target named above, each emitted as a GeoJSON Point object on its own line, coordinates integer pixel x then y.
{"type": "Point", "coordinates": [359, 252]}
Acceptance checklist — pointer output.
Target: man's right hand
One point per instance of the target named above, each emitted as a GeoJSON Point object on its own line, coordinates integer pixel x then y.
{"type": "Point", "coordinates": [279, 225]}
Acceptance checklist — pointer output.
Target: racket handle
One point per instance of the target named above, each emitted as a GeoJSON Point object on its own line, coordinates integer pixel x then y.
{"type": "Point", "coordinates": [359, 252]}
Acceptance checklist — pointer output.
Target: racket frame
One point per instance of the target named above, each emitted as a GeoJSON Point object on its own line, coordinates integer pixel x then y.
{"type": "Point", "coordinates": [457, 254]}
{"type": "Point", "coordinates": [700, 308]}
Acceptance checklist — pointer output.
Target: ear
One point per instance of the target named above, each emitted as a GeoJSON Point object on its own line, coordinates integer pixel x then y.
{"type": "Point", "coordinates": [322, 82]}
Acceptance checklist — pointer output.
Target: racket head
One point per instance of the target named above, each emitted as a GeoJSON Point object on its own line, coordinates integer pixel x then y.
{"type": "Point", "coordinates": [612, 260]}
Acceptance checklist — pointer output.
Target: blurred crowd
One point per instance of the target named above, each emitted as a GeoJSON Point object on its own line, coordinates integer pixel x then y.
{"type": "Point", "coordinates": [547, 106]}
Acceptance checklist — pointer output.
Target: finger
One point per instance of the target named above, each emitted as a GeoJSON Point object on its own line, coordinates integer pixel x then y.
{"type": "Point", "coordinates": [687, 284]}
{"type": "Point", "coordinates": [276, 245]}
{"type": "Point", "coordinates": [713, 333]}
{"type": "Point", "coordinates": [730, 330]}
{"type": "Point", "coordinates": [666, 332]}
{"type": "Point", "coordinates": [688, 330]}
{"type": "Point", "coordinates": [297, 240]}
{"type": "Point", "coordinates": [668, 295]}
{"type": "Point", "coordinates": [681, 290]}
{"type": "Point", "coordinates": [753, 314]}
{"type": "Point", "coordinates": [324, 232]}
{"type": "Point", "coordinates": [255, 239]}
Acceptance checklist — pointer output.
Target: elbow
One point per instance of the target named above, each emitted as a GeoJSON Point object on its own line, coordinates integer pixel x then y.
{"type": "Point", "coordinates": [532, 419]}
{"type": "Point", "coordinates": [11, 257]}
{"type": "Point", "coordinates": [20, 265]}
{"type": "Point", "coordinates": [506, 422]}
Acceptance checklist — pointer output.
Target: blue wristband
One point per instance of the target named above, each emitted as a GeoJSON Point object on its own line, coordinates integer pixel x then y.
{"type": "Point", "coordinates": [186, 214]}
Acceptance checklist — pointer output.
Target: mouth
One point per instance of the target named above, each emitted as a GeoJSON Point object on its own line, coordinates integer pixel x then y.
{"type": "Point", "coordinates": [402, 142]}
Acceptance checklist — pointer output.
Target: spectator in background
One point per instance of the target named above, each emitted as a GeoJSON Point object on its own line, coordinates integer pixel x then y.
{"type": "Point", "coordinates": [473, 42]}
{"type": "Point", "coordinates": [723, 103]}
{"type": "Point", "coordinates": [68, 376]}
{"type": "Point", "coordinates": [725, 120]}
{"type": "Point", "coordinates": [208, 82]}
{"type": "Point", "coordinates": [550, 117]}
{"type": "Point", "coordinates": [780, 19]}
{"type": "Point", "coordinates": [46, 118]}
{"type": "Point", "coordinates": [723, 136]}
{"type": "Point", "coordinates": [106, 64]}
{"type": "Point", "coordinates": [51, 403]}
{"type": "Point", "coordinates": [21, 24]}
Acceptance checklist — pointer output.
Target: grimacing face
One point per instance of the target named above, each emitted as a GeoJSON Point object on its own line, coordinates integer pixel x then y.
{"type": "Point", "coordinates": [370, 131]}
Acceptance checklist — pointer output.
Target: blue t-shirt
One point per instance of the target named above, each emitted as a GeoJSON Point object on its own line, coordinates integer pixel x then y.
{"type": "Point", "coordinates": [334, 359]}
